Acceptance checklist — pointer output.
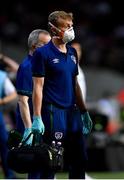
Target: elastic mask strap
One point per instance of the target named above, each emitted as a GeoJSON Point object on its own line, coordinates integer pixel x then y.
{"type": "Point", "coordinates": [54, 26]}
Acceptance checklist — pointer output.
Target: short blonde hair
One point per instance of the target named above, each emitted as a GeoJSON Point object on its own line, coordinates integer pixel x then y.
{"type": "Point", "coordinates": [54, 16]}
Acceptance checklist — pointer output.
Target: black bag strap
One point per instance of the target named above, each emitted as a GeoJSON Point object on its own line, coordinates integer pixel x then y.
{"type": "Point", "coordinates": [37, 138]}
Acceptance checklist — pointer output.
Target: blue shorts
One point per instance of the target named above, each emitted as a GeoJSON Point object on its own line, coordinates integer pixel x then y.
{"type": "Point", "coordinates": [58, 122]}
{"type": "Point", "coordinates": [65, 125]}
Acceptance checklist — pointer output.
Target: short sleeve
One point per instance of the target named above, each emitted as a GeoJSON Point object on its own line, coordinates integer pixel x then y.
{"type": "Point", "coordinates": [38, 64]}
{"type": "Point", "coordinates": [76, 67]}
{"type": "Point", "coordinates": [24, 84]}
{"type": "Point", "coordinates": [8, 87]}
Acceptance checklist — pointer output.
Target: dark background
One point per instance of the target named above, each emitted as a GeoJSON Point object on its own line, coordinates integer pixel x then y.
{"type": "Point", "coordinates": [99, 26]}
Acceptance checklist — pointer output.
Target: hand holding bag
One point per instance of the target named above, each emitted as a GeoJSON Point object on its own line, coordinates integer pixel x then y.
{"type": "Point", "coordinates": [39, 156]}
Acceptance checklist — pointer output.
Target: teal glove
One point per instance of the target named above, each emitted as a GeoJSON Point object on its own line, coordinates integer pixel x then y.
{"type": "Point", "coordinates": [38, 124]}
{"type": "Point", "coordinates": [87, 123]}
{"type": "Point", "coordinates": [25, 135]}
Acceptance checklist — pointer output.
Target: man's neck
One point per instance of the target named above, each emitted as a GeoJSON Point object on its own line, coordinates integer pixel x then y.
{"type": "Point", "coordinates": [59, 45]}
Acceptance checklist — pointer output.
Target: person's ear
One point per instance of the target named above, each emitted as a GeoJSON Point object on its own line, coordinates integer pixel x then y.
{"type": "Point", "coordinates": [33, 47]}
{"type": "Point", "coordinates": [56, 31]}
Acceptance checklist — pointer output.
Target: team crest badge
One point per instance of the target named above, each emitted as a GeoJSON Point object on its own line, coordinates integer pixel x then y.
{"type": "Point", "coordinates": [58, 135]}
{"type": "Point", "coordinates": [73, 58]}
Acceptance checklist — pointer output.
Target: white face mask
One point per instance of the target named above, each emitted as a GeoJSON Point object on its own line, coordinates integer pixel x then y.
{"type": "Point", "coordinates": [69, 34]}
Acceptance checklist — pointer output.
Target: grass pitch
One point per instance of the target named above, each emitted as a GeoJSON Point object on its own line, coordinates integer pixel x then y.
{"type": "Point", "coordinates": [93, 175]}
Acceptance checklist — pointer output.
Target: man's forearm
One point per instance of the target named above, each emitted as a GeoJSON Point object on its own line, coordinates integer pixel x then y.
{"type": "Point", "coordinates": [10, 63]}
{"type": "Point", "coordinates": [37, 99]}
{"type": "Point", "coordinates": [8, 99]}
{"type": "Point", "coordinates": [25, 113]}
{"type": "Point", "coordinates": [37, 95]}
{"type": "Point", "coordinates": [79, 98]}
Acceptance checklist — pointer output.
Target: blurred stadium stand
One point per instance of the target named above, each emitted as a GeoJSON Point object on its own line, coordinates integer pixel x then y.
{"type": "Point", "coordinates": [99, 27]}
{"type": "Point", "coordinates": [105, 152]}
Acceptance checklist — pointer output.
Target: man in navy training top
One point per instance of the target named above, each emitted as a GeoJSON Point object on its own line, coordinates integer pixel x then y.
{"type": "Point", "coordinates": [24, 84]}
{"type": "Point", "coordinates": [59, 111]}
